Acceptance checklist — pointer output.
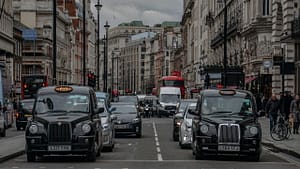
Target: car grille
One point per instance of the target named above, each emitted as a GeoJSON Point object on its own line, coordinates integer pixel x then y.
{"type": "Point", "coordinates": [59, 132]}
{"type": "Point", "coordinates": [170, 107]}
{"type": "Point", "coordinates": [229, 133]}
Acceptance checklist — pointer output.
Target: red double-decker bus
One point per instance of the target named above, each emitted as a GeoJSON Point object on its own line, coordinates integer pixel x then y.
{"type": "Point", "coordinates": [175, 80]}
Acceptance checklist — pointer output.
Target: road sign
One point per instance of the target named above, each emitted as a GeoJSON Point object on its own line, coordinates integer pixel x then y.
{"type": "Point", "coordinates": [29, 34]}
{"type": "Point", "coordinates": [267, 63]}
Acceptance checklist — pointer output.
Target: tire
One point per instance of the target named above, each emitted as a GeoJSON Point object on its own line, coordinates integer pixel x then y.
{"type": "Point", "coordinates": [139, 135]}
{"type": "Point", "coordinates": [110, 148]}
{"type": "Point", "coordinates": [174, 137]}
{"type": "Point", "coordinates": [279, 132]}
{"type": "Point", "coordinates": [91, 156]}
{"type": "Point", "coordinates": [198, 154]}
{"type": "Point", "coordinates": [3, 134]}
{"type": "Point", "coordinates": [31, 157]}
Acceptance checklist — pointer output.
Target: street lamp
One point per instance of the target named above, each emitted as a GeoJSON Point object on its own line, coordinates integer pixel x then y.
{"type": "Point", "coordinates": [98, 7]}
{"type": "Point", "coordinates": [106, 26]}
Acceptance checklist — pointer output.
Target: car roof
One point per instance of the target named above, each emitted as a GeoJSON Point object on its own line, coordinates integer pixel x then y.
{"type": "Point", "coordinates": [76, 89]}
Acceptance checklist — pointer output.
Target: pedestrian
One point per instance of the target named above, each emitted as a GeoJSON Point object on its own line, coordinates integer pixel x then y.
{"type": "Point", "coordinates": [285, 103]}
{"type": "Point", "coordinates": [295, 113]}
{"type": "Point", "coordinates": [272, 108]}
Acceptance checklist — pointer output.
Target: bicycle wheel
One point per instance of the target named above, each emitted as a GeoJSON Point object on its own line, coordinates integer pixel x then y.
{"type": "Point", "coordinates": [289, 132]}
{"type": "Point", "coordinates": [279, 132]}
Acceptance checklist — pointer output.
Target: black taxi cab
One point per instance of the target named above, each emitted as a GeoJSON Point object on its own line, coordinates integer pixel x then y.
{"type": "Point", "coordinates": [226, 123]}
{"type": "Point", "coordinates": [65, 121]}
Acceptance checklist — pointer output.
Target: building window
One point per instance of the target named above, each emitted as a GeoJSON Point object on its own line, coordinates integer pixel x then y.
{"type": "Point", "coordinates": [266, 7]}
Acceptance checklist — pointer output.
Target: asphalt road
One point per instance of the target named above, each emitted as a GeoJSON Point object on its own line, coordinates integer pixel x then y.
{"type": "Point", "coordinates": [154, 150]}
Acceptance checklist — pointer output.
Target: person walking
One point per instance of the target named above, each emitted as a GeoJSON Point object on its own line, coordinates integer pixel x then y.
{"type": "Point", "coordinates": [285, 103]}
{"type": "Point", "coordinates": [295, 114]}
{"type": "Point", "coordinates": [272, 109]}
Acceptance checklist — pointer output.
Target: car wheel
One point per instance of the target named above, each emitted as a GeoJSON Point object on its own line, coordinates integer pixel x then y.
{"type": "Point", "coordinates": [175, 137]}
{"type": "Point", "coordinates": [3, 134]}
{"type": "Point", "coordinates": [31, 157]}
{"type": "Point", "coordinates": [91, 156]}
{"type": "Point", "coordinates": [198, 153]}
{"type": "Point", "coordinates": [139, 134]}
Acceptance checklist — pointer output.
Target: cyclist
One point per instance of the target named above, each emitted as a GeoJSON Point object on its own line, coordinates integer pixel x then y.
{"type": "Point", "coordinates": [272, 109]}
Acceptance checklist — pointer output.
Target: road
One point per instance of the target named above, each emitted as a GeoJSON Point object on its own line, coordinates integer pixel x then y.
{"type": "Point", "coordinates": [154, 150]}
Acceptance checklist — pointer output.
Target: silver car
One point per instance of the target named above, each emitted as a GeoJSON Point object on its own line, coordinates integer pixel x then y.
{"type": "Point", "coordinates": [2, 125]}
{"type": "Point", "coordinates": [185, 130]}
{"type": "Point", "coordinates": [108, 132]}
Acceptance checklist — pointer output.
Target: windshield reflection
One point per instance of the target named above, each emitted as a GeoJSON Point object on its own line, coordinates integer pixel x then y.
{"type": "Point", "coordinates": [62, 103]}
{"type": "Point", "coordinates": [227, 105]}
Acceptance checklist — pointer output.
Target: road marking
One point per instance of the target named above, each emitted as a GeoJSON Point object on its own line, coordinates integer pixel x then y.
{"type": "Point", "coordinates": [14, 167]}
{"type": "Point", "coordinates": [158, 149]}
{"type": "Point", "coordinates": [159, 156]}
{"type": "Point", "coordinates": [42, 167]}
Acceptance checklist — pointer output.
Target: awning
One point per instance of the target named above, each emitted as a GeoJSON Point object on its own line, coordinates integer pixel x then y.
{"type": "Point", "coordinates": [250, 79]}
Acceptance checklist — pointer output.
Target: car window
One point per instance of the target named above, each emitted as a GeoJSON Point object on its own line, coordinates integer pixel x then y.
{"type": "Point", "coordinates": [62, 103]}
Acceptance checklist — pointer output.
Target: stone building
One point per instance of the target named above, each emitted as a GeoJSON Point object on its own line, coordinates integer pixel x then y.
{"type": "Point", "coordinates": [6, 46]}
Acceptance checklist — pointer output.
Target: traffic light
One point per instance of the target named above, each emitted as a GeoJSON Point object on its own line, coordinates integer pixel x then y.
{"type": "Point", "coordinates": [91, 79]}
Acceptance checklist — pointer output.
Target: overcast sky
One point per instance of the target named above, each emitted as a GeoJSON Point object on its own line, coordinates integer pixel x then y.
{"type": "Point", "coordinates": [149, 11]}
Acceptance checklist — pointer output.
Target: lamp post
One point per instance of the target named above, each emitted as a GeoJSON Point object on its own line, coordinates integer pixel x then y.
{"type": "Point", "coordinates": [225, 43]}
{"type": "Point", "coordinates": [98, 7]}
{"type": "Point", "coordinates": [106, 26]}
{"type": "Point", "coordinates": [112, 70]}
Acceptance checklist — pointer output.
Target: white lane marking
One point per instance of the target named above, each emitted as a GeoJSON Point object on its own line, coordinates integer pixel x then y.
{"type": "Point", "coordinates": [129, 144]}
{"type": "Point", "coordinates": [97, 168]}
{"type": "Point", "coordinates": [73, 167]}
{"type": "Point", "coordinates": [14, 167]}
{"type": "Point", "coordinates": [158, 149]}
{"type": "Point", "coordinates": [42, 167]}
{"type": "Point", "coordinates": [159, 156]}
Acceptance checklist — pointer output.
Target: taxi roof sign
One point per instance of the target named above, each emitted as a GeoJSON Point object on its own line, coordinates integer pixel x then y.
{"type": "Point", "coordinates": [227, 92]}
{"type": "Point", "coordinates": [63, 89]}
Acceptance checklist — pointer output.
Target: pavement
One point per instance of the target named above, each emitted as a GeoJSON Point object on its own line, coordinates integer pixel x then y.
{"type": "Point", "coordinates": [289, 146]}
{"type": "Point", "coordinates": [14, 146]}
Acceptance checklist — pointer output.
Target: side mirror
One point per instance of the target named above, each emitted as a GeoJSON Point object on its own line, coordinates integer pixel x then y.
{"type": "Point", "coordinates": [112, 109]}
{"type": "Point", "coordinates": [100, 110]}
{"type": "Point", "coordinates": [179, 116]}
{"type": "Point", "coordinates": [113, 117]}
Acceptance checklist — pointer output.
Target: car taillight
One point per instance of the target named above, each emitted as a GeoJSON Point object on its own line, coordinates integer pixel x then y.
{"type": "Point", "coordinates": [17, 115]}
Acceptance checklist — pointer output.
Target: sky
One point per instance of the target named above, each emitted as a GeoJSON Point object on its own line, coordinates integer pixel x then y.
{"type": "Point", "coordinates": [149, 11]}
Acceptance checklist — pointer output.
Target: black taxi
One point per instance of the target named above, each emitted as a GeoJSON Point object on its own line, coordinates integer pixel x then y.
{"type": "Point", "coordinates": [226, 123]}
{"type": "Point", "coordinates": [65, 121]}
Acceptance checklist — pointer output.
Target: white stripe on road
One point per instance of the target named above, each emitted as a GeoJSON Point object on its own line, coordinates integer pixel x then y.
{"type": "Point", "coordinates": [159, 156]}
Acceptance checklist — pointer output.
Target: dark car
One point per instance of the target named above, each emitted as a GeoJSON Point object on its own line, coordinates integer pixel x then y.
{"type": "Point", "coordinates": [178, 117]}
{"type": "Point", "coordinates": [65, 121]}
{"type": "Point", "coordinates": [225, 123]}
{"type": "Point", "coordinates": [128, 119]}
{"type": "Point", "coordinates": [24, 113]}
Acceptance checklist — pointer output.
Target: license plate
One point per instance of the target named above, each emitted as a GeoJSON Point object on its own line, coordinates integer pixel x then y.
{"type": "Point", "coordinates": [28, 115]}
{"type": "Point", "coordinates": [59, 148]}
{"type": "Point", "coordinates": [228, 148]}
{"type": "Point", "coordinates": [124, 126]}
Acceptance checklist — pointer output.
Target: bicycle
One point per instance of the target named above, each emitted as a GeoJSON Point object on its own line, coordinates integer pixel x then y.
{"type": "Point", "coordinates": [282, 129]}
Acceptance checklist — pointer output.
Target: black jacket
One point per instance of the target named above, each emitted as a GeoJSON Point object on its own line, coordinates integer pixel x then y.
{"type": "Point", "coordinates": [272, 107]}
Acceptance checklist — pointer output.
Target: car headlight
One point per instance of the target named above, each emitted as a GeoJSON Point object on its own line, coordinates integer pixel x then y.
{"type": "Point", "coordinates": [136, 120]}
{"type": "Point", "coordinates": [33, 129]}
{"type": "Point", "coordinates": [86, 128]}
{"type": "Point", "coordinates": [253, 130]}
{"type": "Point", "coordinates": [204, 129]}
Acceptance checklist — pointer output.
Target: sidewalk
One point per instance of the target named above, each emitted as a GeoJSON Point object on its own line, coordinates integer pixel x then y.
{"type": "Point", "coordinates": [11, 147]}
{"type": "Point", "coordinates": [290, 146]}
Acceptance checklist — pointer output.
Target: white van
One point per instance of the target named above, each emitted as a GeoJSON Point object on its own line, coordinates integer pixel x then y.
{"type": "Point", "coordinates": [169, 99]}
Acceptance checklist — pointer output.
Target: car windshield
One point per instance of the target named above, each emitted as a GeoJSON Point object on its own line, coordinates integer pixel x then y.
{"type": "Point", "coordinates": [124, 109]}
{"type": "Point", "coordinates": [57, 103]}
{"type": "Point", "coordinates": [28, 105]}
{"type": "Point", "coordinates": [212, 105]}
{"type": "Point", "coordinates": [169, 98]}
{"type": "Point", "coordinates": [183, 105]}
{"type": "Point", "coordinates": [188, 115]}
{"type": "Point", "coordinates": [128, 99]}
